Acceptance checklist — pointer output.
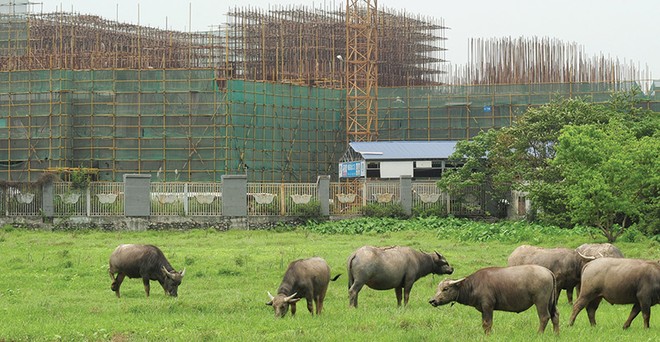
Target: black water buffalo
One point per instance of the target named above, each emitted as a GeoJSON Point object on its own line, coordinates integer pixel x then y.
{"type": "Point", "coordinates": [594, 250]}
{"type": "Point", "coordinates": [305, 278]}
{"type": "Point", "coordinates": [565, 263]}
{"type": "Point", "coordinates": [384, 268]}
{"type": "Point", "coordinates": [146, 262]}
{"type": "Point", "coordinates": [619, 281]}
{"type": "Point", "coordinates": [513, 289]}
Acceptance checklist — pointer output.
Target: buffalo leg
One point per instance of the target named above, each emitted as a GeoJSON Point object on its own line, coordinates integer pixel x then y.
{"type": "Point", "coordinates": [145, 281]}
{"type": "Point", "coordinates": [116, 283]}
{"type": "Point", "coordinates": [487, 320]}
{"type": "Point", "coordinates": [633, 313]}
{"type": "Point", "coordinates": [310, 304]}
{"type": "Point", "coordinates": [319, 303]}
{"type": "Point", "coordinates": [580, 303]}
{"type": "Point", "coordinates": [555, 319]}
{"type": "Point", "coordinates": [399, 295]}
{"type": "Point", "coordinates": [293, 309]}
{"type": "Point", "coordinates": [591, 310]}
{"type": "Point", "coordinates": [353, 294]}
{"type": "Point", "coordinates": [406, 294]}
{"type": "Point", "coordinates": [569, 295]}
{"type": "Point", "coordinates": [544, 317]}
{"type": "Point", "coordinates": [646, 314]}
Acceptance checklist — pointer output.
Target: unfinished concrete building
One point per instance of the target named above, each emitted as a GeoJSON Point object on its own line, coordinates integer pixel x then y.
{"type": "Point", "coordinates": [264, 94]}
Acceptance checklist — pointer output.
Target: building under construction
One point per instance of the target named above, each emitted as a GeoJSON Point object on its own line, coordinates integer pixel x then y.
{"type": "Point", "coordinates": [264, 94]}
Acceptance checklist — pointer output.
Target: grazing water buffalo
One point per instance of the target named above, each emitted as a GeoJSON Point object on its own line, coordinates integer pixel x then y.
{"type": "Point", "coordinates": [305, 278]}
{"type": "Point", "coordinates": [594, 250]}
{"type": "Point", "coordinates": [513, 289]}
{"type": "Point", "coordinates": [619, 281]}
{"type": "Point", "coordinates": [599, 250]}
{"type": "Point", "coordinates": [565, 263]}
{"type": "Point", "coordinates": [384, 268]}
{"type": "Point", "coordinates": [146, 262]}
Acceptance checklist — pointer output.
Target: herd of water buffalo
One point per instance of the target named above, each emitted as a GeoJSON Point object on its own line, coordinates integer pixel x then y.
{"type": "Point", "coordinates": [534, 276]}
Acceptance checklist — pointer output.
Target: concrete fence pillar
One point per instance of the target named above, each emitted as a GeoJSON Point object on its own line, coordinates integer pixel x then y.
{"type": "Point", "coordinates": [47, 200]}
{"type": "Point", "coordinates": [405, 193]}
{"type": "Point", "coordinates": [323, 194]}
{"type": "Point", "coordinates": [234, 195]}
{"type": "Point", "coordinates": [137, 195]}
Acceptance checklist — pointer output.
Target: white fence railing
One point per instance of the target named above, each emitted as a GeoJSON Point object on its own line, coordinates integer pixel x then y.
{"type": "Point", "coordinates": [427, 196]}
{"type": "Point", "coordinates": [347, 198]}
{"type": "Point", "coordinates": [99, 199]}
{"type": "Point", "coordinates": [23, 200]}
{"type": "Point", "coordinates": [183, 199]}
{"type": "Point", "coordinates": [279, 198]}
{"type": "Point", "coordinates": [383, 192]}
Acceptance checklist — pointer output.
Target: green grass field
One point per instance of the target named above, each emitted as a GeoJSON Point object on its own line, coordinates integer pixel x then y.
{"type": "Point", "coordinates": [55, 286]}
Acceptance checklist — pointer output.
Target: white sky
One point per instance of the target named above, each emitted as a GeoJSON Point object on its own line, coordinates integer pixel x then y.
{"type": "Point", "coordinates": [625, 29]}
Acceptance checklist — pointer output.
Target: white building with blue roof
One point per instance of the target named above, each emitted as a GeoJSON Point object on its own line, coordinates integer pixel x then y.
{"type": "Point", "coordinates": [393, 159]}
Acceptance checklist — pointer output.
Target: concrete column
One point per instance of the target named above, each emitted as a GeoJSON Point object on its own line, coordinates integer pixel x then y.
{"type": "Point", "coordinates": [137, 195]}
{"type": "Point", "coordinates": [234, 195]}
{"type": "Point", "coordinates": [323, 194]}
{"type": "Point", "coordinates": [405, 192]}
{"type": "Point", "coordinates": [47, 200]}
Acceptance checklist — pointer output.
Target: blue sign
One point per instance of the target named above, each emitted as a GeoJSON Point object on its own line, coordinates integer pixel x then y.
{"type": "Point", "coordinates": [488, 109]}
{"type": "Point", "coordinates": [352, 169]}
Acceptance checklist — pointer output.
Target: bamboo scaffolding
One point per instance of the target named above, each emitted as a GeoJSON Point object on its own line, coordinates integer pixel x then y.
{"type": "Point", "coordinates": [534, 60]}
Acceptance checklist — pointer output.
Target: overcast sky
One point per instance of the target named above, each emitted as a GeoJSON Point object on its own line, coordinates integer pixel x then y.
{"type": "Point", "coordinates": [625, 29]}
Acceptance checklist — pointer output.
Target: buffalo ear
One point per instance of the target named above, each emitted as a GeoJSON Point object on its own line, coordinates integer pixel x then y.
{"type": "Point", "coordinates": [270, 303]}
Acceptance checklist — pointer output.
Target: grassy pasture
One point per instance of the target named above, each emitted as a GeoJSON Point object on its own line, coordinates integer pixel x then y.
{"type": "Point", "coordinates": [55, 286]}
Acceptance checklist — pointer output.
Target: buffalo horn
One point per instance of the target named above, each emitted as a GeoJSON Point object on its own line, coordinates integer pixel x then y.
{"type": "Point", "coordinates": [438, 254]}
{"type": "Point", "coordinates": [270, 295]}
{"type": "Point", "coordinates": [183, 272]}
{"type": "Point", "coordinates": [587, 257]}
{"type": "Point", "coordinates": [167, 273]}
{"type": "Point", "coordinates": [452, 282]}
{"type": "Point", "coordinates": [290, 297]}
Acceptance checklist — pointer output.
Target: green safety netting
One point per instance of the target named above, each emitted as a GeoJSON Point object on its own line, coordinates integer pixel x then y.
{"type": "Point", "coordinates": [141, 120]}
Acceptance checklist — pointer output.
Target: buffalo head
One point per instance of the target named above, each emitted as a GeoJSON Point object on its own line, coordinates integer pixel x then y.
{"type": "Point", "coordinates": [441, 265]}
{"type": "Point", "coordinates": [172, 280]}
{"type": "Point", "coordinates": [281, 303]}
{"type": "Point", "coordinates": [447, 292]}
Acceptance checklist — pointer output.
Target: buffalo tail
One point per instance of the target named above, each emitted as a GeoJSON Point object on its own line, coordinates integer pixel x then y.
{"type": "Point", "coordinates": [554, 297]}
{"type": "Point", "coordinates": [350, 271]}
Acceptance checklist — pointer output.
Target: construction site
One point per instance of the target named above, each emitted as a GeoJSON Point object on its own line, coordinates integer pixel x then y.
{"type": "Point", "coordinates": [275, 94]}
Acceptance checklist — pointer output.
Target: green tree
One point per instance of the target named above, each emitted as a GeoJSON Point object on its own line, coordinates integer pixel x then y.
{"type": "Point", "coordinates": [521, 157]}
{"type": "Point", "coordinates": [611, 178]}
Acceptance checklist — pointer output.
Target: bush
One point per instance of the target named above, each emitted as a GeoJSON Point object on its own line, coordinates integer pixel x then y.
{"type": "Point", "coordinates": [392, 210]}
{"type": "Point", "coordinates": [436, 210]}
{"type": "Point", "coordinates": [80, 179]}
{"type": "Point", "coordinates": [309, 211]}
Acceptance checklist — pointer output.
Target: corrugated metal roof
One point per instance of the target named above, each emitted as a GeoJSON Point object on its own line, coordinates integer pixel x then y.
{"type": "Point", "coordinates": [404, 150]}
